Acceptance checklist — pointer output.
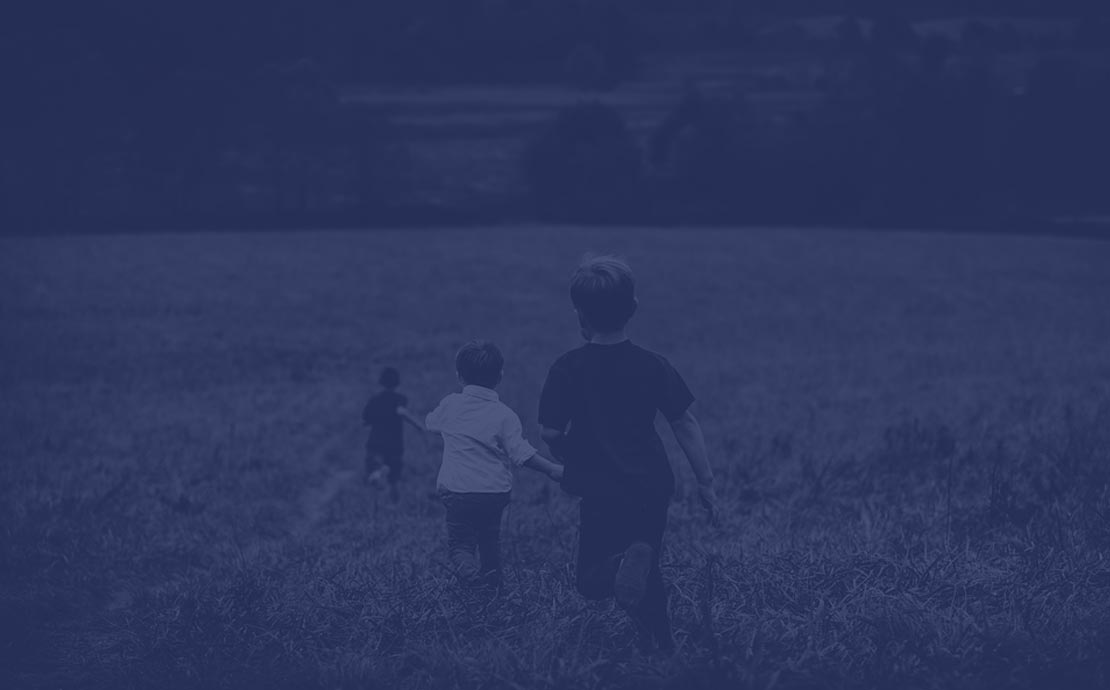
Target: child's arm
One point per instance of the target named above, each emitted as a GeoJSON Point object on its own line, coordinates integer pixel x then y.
{"type": "Point", "coordinates": [554, 439]}
{"type": "Point", "coordinates": [435, 418]}
{"type": "Point", "coordinates": [688, 433]}
{"type": "Point", "coordinates": [522, 454]}
{"type": "Point", "coordinates": [411, 418]}
{"type": "Point", "coordinates": [541, 464]}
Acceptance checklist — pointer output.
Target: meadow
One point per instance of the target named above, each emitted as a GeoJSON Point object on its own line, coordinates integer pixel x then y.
{"type": "Point", "coordinates": [911, 434]}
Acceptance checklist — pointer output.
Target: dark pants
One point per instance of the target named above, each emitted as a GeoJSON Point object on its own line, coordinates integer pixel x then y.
{"type": "Point", "coordinates": [608, 527]}
{"type": "Point", "coordinates": [474, 524]}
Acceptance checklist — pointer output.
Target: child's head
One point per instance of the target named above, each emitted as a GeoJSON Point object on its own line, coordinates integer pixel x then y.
{"type": "Point", "coordinates": [480, 363]}
{"type": "Point", "coordinates": [390, 378]}
{"type": "Point", "coordinates": [603, 291]}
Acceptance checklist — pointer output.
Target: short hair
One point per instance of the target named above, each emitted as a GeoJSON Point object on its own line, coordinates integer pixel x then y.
{"type": "Point", "coordinates": [603, 291]}
{"type": "Point", "coordinates": [390, 378]}
{"type": "Point", "coordinates": [480, 363]}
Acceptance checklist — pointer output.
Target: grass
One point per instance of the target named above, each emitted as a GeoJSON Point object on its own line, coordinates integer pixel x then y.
{"type": "Point", "coordinates": [911, 435]}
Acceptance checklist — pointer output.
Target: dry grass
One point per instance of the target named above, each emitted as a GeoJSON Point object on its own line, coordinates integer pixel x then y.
{"type": "Point", "coordinates": [912, 436]}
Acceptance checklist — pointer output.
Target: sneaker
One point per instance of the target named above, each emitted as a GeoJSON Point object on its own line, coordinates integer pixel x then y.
{"type": "Point", "coordinates": [465, 567]}
{"type": "Point", "coordinates": [488, 582]}
{"type": "Point", "coordinates": [632, 574]}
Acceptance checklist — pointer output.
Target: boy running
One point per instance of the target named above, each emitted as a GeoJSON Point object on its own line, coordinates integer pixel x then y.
{"type": "Point", "coordinates": [385, 414]}
{"type": "Point", "coordinates": [482, 444]}
{"type": "Point", "coordinates": [597, 413]}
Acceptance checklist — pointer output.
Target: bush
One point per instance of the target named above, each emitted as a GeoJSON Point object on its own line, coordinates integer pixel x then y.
{"type": "Point", "coordinates": [200, 148]}
{"type": "Point", "coordinates": [446, 41]}
{"type": "Point", "coordinates": [587, 69]}
{"type": "Point", "coordinates": [701, 159]}
{"type": "Point", "coordinates": [937, 141]}
{"type": "Point", "coordinates": [66, 118]}
{"type": "Point", "coordinates": [850, 36]}
{"type": "Point", "coordinates": [897, 141]}
{"type": "Point", "coordinates": [717, 163]}
{"type": "Point", "coordinates": [826, 171]}
{"type": "Point", "coordinates": [301, 150]}
{"type": "Point", "coordinates": [893, 35]}
{"type": "Point", "coordinates": [1061, 146]}
{"type": "Point", "coordinates": [1093, 34]}
{"type": "Point", "coordinates": [584, 166]}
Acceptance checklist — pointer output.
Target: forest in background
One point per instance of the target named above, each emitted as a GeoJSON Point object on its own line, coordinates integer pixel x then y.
{"type": "Point", "coordinates": [211, 115]}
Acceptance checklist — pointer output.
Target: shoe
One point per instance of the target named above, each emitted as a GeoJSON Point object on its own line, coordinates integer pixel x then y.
{"type": "Point", "coordinates": [465, 567]}
{"type": "Point", "coordinates": [488, 582]}
{"type": "Point", "coordinates": [632, 574]}
{"type": "Point", "coordinates": [375, 478]}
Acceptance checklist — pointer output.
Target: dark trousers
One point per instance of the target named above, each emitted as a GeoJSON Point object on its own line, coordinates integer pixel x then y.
{"type": "Point", "coordinates": [474, 524]}
{"type": "Point", "coordinates": [609, 526]}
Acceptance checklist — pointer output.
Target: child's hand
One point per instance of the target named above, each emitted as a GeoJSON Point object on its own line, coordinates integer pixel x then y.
{"type": "Point", "coordinates": [556, 473]}
{"type": "Point", "coordinates": [429, 438]}
{"type": "Point", "coordinates": [708, 498]}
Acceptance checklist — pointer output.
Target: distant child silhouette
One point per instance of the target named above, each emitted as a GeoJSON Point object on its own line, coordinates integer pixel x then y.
{"type": "Point", "coordinates": [385, 414]}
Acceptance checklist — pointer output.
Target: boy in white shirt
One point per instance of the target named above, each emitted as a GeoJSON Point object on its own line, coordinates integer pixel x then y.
{"type": "Point", "coordinates": [482, 444]}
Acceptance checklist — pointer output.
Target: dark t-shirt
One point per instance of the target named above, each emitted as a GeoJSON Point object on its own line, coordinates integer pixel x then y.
{"type": "Point", "coordinates": [381, 415]}
{"type": "Point", "coordinates": [605, 398]}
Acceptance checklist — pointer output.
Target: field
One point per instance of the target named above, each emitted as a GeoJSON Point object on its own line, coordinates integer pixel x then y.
{"type": "Point", "coordinates": [911, 434]}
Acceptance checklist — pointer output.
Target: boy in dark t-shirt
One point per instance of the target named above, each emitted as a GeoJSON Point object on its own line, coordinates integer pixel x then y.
{"type": "Point", "coordinates": [597, 411]}
{"type": "Point", "coordinates": [385, 414]}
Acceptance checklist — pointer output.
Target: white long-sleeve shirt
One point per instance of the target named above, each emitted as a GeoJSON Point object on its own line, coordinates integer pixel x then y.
{"type": "Point", "coordinates": [482, 442]}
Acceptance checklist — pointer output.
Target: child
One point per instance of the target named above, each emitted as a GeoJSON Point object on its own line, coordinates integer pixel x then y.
{"type": "Point", "coordinates": [385, 414]}
{"type": "Point", "coordinates": [597, 413]}
{"type": "Point", "coordinates": [482, 443]}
